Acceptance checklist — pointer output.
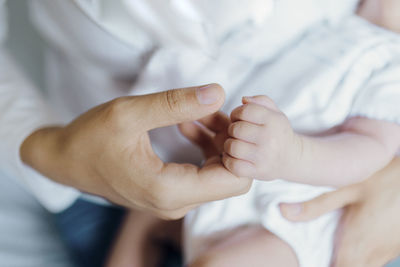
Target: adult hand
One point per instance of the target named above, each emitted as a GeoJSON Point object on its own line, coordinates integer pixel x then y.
{"type": "Point", "coordinates": [209, 134]}
{"type": "Point", "coordinates": [107, 152]}
{"type": "Point", "coordinates": [369, 232]}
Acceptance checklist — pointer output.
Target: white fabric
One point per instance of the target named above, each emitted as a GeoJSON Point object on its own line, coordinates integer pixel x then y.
{"type": "Point", "coordinates": [333, 72]}
{"type": "Point", "coordinates": [98, 50]}
{"type": "Point", "coordinates": [311, 241]}
{"type": "Point", "coordinates": [28, 234]}
{"type": "Point", "coordinates": [16, 126]}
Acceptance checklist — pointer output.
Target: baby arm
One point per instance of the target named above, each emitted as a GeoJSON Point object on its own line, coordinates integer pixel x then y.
{"type": "Point", "coordinates": [263, 145]}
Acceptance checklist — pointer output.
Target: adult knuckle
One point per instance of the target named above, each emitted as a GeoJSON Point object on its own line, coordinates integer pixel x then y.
{"type": "Point", "coordinates": [118, 105]}
{"type": "Point", "coordinates": [160, 197]}
{"type": "Point", "coordinates": [173, 100]}
{"type": "Point", "coordinates": [115, 111]}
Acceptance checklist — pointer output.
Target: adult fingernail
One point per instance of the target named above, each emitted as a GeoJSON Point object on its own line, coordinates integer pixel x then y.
{"type": "Point", "coordinates": [208, 94]}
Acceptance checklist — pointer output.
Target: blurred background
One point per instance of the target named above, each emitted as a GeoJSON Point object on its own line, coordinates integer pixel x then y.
{"type": "Point", "coordinates": [25, 45]}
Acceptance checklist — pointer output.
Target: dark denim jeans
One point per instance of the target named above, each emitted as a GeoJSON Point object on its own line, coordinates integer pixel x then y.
{"type": "Point", "coordinates": [89, 229]}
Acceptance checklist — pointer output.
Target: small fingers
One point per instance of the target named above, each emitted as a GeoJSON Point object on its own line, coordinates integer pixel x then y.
{"type": "Point", "coordinates": [245, 131]}
{"type": "Point", "coordinates": [251, 113]}
{"type": "Point", "coordinates": [239, 167]}
{"type": "Point", "coordinates": [240, 150]}
{"type": "Point", "coordinates": [261, 100]}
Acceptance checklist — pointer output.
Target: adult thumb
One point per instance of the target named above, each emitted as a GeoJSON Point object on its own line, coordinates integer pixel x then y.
{"type": "Point", "coordinates": [178, 105]}
{"type": "Point", "coordinates": [320, 205]}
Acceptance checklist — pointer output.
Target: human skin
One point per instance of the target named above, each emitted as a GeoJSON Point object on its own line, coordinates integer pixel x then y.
{"type": "Point", "coordinates": [249, 246]}
{"type": "Point", "coordinates": [107, 152]}
{"type": "Point", "coordinates": [368, 234]}
{"type": "Point", "coordinates": [263, 145]}
{"type": "Point", "coordinates": [384, 13]}
{"type": "Point", "coordinates": [252, 246]}
{"type": "Point", "coordinates": [139, 229]}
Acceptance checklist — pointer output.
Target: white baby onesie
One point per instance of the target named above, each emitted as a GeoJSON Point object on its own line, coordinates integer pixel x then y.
{"type": "Point", "coordinates": [332, 73]}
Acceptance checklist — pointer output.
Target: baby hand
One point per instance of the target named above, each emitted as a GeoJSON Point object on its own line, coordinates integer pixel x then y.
{"type": "Point", "coordinates": [262, 144]}
{"type": "Point", "coordinates": [208, 133]}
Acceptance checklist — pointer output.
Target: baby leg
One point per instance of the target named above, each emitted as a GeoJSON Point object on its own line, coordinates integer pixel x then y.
{"type": "Point", "coordinates": [254, 246]}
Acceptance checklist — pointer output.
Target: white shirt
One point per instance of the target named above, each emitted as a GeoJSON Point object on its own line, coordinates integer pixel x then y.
{"type": "Point", "coordinates": [100, 49]}
{"type": "Point", "coordinates": [333, 72]}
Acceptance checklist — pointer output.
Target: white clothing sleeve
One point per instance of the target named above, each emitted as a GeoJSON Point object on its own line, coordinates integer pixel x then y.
{"type": "Point", "coordinates": [22, 110]}
{"type": "Point", "coordinates": [379, 97]}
